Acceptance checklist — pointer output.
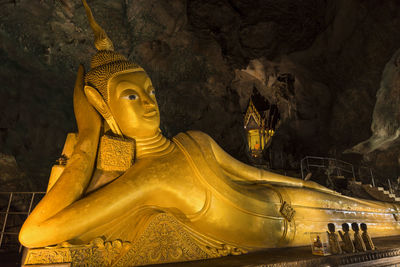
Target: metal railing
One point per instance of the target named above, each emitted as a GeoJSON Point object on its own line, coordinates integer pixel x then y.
{"type": "Point", "coordinates": [336, 166]}
{"type": "Point", "coordinates": [365, 174]}
{"type": "Point", "coordinates": [20, 199]}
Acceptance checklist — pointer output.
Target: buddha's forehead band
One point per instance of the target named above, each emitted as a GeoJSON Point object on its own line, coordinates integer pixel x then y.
{"type": "Point", "coordinates": [119, 73]}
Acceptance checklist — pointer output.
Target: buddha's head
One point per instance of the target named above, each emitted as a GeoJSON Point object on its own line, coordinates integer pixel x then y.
{"type": "Point", "coordinates": [120, 90]}
{"type": "Point", "coordinates": [355, 227]}
{"type": "Point", "coordinates": [345, 227]}
{"type": "Point", "coordinates": [363, 227]}
{"type": "Point", "coordinates": [331, 227]}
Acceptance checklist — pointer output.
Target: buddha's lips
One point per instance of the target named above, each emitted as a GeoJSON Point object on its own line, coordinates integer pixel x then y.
{"type": "Point", "coordinates": [150, 114]}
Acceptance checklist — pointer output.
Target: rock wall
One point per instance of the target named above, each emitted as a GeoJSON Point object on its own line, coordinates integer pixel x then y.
{"type": "Point", "coordinates": [385, 120]}
{"type": "Point", "coordinates": [205, 57]}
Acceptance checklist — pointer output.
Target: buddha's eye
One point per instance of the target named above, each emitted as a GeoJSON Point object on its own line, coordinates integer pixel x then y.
{"type": "Point", "coordinates": [152, 92]}
{"type": "Point", "coordinates": [131, 97]}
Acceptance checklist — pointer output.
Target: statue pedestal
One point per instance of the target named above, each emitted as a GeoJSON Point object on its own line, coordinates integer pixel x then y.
{"type": "Point", "coordinates": [164, 239]}
{"type": "Point", "coordinates": [387, 254]}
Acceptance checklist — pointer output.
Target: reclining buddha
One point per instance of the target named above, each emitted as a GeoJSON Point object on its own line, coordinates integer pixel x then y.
{"type": "Point", "coordinates": [123, 180]}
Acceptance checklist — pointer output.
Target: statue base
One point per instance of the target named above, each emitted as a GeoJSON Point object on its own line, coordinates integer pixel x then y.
{"type": "Point", "coordinates": [164, 240]}
{"type": "Point", "coordinates": [388, 254]}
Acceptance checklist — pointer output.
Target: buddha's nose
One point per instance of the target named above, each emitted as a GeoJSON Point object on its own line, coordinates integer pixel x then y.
{"type": "Point", "coordinates": [147, 101]}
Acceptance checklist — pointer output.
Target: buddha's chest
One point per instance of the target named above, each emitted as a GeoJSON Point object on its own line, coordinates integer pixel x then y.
{"type": "Point", "coordinates": [169, 181]}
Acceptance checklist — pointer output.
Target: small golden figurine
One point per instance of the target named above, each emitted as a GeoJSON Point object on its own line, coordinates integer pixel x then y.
{"type": "Point", "coordinates": [348, 245]}
{"type": "Point", "coordinates": [318, 243]}
{"type": "Point", "coordinates": [366, 238]}
{"type": "Point", "coordinates": [333, 240]}
{"type": "Point", "coordinates": [358, 242]}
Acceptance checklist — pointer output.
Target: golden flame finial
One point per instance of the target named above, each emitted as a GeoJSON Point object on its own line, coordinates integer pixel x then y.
{"type": "Point", "coordinates": [101, 40]}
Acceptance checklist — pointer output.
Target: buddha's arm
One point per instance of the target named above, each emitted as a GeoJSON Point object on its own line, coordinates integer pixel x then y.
{"type": "Point", "coordinates": [97, 209]}
{"type": "Point", "coordinates": [75, 178]}
{"type": "Point", "coordinates": [78, 218]}
{"type": "Point", "coordinates": [238, 170]}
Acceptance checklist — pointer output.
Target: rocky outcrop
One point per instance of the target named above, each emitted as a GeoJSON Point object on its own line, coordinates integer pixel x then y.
{"type": "Point", "coordinates": [386, 117]}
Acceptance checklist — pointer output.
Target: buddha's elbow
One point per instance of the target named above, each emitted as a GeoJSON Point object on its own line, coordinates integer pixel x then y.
{"type": "Point", "coordinates": [31, 237]}
{"type": "Point", "coordinates": [25, 237]}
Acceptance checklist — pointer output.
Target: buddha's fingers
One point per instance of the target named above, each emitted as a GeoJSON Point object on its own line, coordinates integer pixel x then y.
{"type": "Point", "coordinates": [87, 118]}
{"type": "Point", "coordinates": [88, 121]}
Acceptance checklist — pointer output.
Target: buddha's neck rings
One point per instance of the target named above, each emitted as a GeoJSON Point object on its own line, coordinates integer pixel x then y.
{"type": "Point", "coordinates": [157, 145]}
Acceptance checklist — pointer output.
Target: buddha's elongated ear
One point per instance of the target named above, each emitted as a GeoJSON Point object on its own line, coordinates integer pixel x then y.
{"type": "Point", "coordinates": [100, 105]}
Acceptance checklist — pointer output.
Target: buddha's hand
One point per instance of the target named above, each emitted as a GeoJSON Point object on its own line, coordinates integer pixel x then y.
{"type": "Point", "coordinates": [87, 118]}
{"type": "Point", "coordinates": [89, 123]}
{"type": "Point", "coordinates": [79, 168]}
{"type": "Point", "coordinates": [77, 174]}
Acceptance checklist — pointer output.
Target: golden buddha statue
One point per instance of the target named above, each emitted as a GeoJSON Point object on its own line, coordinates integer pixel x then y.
{"type": "Point", "coordinates": [369, 245]}
{"type": "Point", "coordinates": [333, 240]}
{"type": "Point", "coordinates": [128, 190]}
{"type": "Point", "coordinates": [348, 245]}
{"type": "Point", "coordinates": [358, 241]}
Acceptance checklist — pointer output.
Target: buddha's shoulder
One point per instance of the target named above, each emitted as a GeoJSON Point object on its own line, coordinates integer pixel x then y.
{"type": "Point", "coordinates": [194, 138]}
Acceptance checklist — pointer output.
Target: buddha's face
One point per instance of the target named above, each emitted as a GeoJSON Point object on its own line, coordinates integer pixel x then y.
{"type": "Point", "coordinates": [331, 227]}
{"type": "Point", "coordinates": [363, 226]}
{"type": "Point", "coordinates": [133, 104]}
{"type": "Point", "coordinates": [354, 226]}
